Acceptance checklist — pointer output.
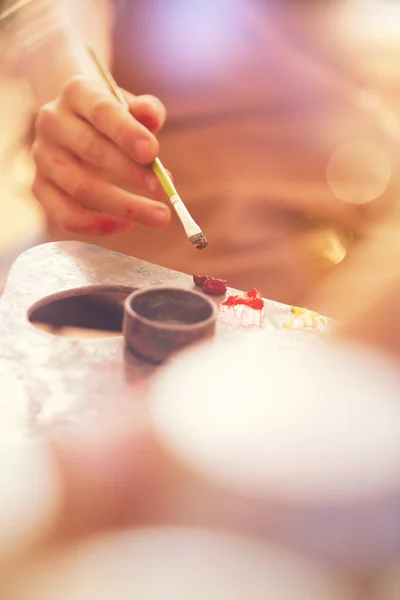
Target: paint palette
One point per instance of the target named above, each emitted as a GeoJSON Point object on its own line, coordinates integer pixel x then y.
{"type": "Point", "coordinates": [56, 369]}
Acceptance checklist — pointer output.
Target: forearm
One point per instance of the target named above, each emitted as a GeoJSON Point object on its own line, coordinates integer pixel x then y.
{"type": "Point", "coordinates": [49, 38]}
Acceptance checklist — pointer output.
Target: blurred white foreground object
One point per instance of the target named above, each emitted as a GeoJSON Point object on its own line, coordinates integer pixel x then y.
{"type": "Point", "coordinates": [314, 431]}
{"type": "Point", "coordinates": [30, 496]}
{"type": "Point", "coordinates": [176, 564]}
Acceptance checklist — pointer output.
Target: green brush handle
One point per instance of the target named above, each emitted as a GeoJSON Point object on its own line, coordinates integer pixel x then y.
{"type": "Point", "coordinates": [157, 166]}
{"type": "Point", "coordinates": [164, 179]}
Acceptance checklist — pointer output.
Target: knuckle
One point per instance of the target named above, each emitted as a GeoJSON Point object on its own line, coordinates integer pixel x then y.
{"type": "Point", "coordinates": [123, 169]}
{"type": "Point", "coordinates": [68, 224]}
{"type": "Point", "coordinates": [72, 87]}
{"type": "Point", "coordinates": [83, 189]}
{"type": "Point", "coordinates": [101, 112]}
{"type": "Point", "coordinates": [45, 120]}
{"type": "Point", "coordinates": [92, 149]}
{"type": "Point", "coordinates": [124, 139]}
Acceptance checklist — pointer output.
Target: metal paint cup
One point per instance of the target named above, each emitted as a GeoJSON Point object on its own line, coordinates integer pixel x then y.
{"type": "Point", "coordinates": [162, 320]}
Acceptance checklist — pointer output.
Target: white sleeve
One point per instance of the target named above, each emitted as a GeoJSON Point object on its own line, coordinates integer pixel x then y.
{"type": "Point", "coordinates": [49, 37]}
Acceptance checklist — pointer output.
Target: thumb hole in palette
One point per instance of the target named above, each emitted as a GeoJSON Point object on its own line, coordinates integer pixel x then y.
{"type": "Point", "coordinates": [82, 313]}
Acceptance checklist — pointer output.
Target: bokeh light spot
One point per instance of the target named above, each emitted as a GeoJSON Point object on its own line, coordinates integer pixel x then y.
{"type": "Point", "coordinates": [359, 171]}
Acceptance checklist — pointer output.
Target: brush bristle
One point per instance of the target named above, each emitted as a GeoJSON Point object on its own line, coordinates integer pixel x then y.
{"type": "Point", "coordinates": [199, 241]}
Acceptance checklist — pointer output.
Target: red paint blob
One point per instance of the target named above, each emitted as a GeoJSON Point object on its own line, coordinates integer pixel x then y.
{"type": "Point", "coordinates": [214, 287]}
{"type": "Point", "coordinates": [104, 226]}
{"type": "Point", "coordinates": [59, 161]}
{"type": "Point", "coordinates": [252, 299]}
{"type": "Point", "coordinates": [210, 285]}
{"type": "Point", "coordinates": [199, 280]}
{"type": "Point", "coordinates": [108, 226]}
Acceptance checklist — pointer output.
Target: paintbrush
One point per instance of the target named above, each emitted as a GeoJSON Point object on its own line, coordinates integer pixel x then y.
{"type": "Point", "coordinates": [193, 231]}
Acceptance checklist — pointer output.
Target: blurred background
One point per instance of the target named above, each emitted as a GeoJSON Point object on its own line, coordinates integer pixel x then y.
{"type": "Point", "coordinates": [345, 41]}
{"type": "Point", "coordinates": [21, 220]}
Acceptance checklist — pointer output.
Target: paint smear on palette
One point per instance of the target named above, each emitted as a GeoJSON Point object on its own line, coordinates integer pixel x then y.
{"type": "Point", "coordinates": [252, 299]}
{"type": "Point", "coordinates": [241, 316]}
{"type": "Point", "coordinates": [302, 318]}
{"type": "Point", "coordinates": [244, 311]}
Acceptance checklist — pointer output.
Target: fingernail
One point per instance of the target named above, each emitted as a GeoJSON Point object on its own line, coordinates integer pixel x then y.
{"type": "Point", "coordinates": [160, 215]}
{"type": "Point", "coordinates": [152, 183]}
{"type": "Point", "coordinates": [143, 150]}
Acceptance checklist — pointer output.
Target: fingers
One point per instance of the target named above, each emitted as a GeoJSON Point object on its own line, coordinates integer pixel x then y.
{"type": "Point", "coordinates": [69, 215]}
{"type": "Point", "coordinates": [64, 129]}
{"type": "Point", "coordinates": [148, 110]}
{"type": "Point", "coordinates": [84, 137]}
{"type": "Point", "coordinates": [94, 103]}
{"type": "Point", "coordinates": [80, 186]}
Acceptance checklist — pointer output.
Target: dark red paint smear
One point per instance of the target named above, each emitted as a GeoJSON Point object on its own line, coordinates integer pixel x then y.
{"type": "Point", "coordinates": [214, 287]}
{"type": "Point", "coordinates": [210, 285]}
{"type": "Point", "coordinates": [105, 226]}
{"type": "Point", "coordinates": [108, 226]}
{"type": "Point", "coordinates": [199, 280]}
